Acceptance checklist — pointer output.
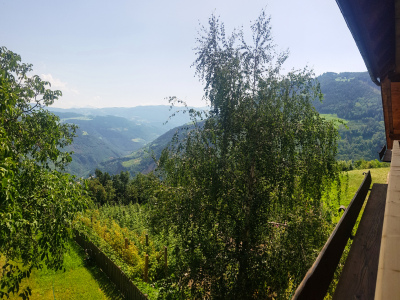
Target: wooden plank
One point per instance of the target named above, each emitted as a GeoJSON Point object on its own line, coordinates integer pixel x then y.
{"type": "Point", "coordinates": [387, 110]}
{"type": "Point", "coordinates": [317, 280]}
{"type": "Point", "coordinates": [358, 278]}
{"type": "Point", "coordinates": [395, 99]}
{"type": "Point", "coordinates": [388, 156]}
{"type": "Point", "coordinates": [388, 280]}
{"type": "Point", "coordinates": [382, 153]}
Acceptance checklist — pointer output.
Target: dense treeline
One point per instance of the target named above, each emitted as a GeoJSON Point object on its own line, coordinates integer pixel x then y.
{"type": "Point", "coordinates": [121, 188]}
{"type": "Point", "coordinates": [361, 164]}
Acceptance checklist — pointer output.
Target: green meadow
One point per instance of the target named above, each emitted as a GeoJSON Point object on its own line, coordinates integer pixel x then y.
{"type": "Point", "coordinates": [77, 282]}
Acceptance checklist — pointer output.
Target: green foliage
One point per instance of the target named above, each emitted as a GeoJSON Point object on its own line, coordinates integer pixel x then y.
{"type": "Point", "coordinates": [37, 203]}
{"type": "Point", "coordinates": [242, 191]}
{"type": "Point", "coordinates": [121, 189]}
{"type": "Point", "coordinates": [103, 227]}
{"type": "Point", "coordinates": [361, 164]}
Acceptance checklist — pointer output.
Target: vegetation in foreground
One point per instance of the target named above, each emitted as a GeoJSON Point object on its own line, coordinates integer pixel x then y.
{"type": "Point", "coordinates": [37, 201]}
{"type": "Point", "coordinates": [109, 225]}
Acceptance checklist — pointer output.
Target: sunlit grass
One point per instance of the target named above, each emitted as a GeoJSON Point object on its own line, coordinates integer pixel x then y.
{"type": "Point", "coordinates": [355, 178]}
{"type": "Point", "coordinates": [333, 117]}
{"type": "Point", "coordinates": [77, 282]}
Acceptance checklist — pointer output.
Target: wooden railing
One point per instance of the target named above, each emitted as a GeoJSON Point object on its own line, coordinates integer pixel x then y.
{"type": "Point", "coordinates": [317, 280]}
{"type": "Point", "coordinates": [382, 152]}
{"type": "Point", "coordinates": [114, 273]}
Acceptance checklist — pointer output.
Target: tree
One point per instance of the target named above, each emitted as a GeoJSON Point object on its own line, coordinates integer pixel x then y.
{"type": "Point", "coordinates": [242, 192]}
{"type": "Point", "coordinates": [37, 201]}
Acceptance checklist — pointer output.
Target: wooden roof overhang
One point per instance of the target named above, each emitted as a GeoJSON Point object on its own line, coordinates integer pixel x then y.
{"type": "Point", "coordinates": [375, 26]}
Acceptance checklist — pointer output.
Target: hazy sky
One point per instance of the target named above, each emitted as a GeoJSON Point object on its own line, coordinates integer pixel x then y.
{"type": "Point", "coordinates": [129, 53]}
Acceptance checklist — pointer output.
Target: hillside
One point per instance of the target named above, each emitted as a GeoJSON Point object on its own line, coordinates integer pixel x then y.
{"type": "Point", "coordinates": [352, 97]}
{"type": "Point", "coordinates": [125, 139]}
{"type": "Point", "coordinates": [356, 99]}
{"type": "Point", "coordinates": [108, 133]}
{"type": "Point", "coordinates": [139, 161]}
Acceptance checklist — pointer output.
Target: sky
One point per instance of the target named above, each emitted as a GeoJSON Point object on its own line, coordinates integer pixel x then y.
{"type": "Point", "coordinates": [127, 53]}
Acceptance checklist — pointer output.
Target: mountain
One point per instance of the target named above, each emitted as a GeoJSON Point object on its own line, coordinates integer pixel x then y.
{"type": "Point", "coordinates": [356, 99]}
{"type": "Point", "coordinates": [108, 133]}
{"type": "Point", "coordinates": [158, 116]}
{"type": "Point", "coordinates": [350, 97]}
{"type": "Point", "coordinates": [142, 160]}
{"type": "Point", "coordinates": [124, 139]}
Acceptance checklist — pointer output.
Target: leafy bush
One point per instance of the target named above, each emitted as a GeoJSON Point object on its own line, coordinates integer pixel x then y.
{"type": "Point", "coordinates": [132, 254]}
{"type": "Point", "coordinates": [361, 164]}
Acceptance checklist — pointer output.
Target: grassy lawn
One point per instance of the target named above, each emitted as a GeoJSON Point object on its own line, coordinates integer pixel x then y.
{"type": "Point", "coordinates": [77, 282]}
{"type": "Point", "coordinates": [378, 175]}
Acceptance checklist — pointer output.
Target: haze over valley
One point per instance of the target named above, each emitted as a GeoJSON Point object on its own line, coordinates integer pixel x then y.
{"type": "Point", "coordinates": [124, 139]}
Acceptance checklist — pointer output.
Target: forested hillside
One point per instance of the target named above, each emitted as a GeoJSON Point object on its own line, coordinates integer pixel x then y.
{"type": "Point", "coordinates": [125, 139]}
{"type": "Point", "coordinates": [351, 97]}
{"type": "Point", "coordinates": [142, 160]}
{"type": "Point", "coordinates": [356, 99]}
{"type": "Point", "coordinates": [109, 133]}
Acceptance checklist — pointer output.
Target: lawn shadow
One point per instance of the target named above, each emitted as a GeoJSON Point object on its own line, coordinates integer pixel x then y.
{"type": "Point", "coordinates": [105, 284]}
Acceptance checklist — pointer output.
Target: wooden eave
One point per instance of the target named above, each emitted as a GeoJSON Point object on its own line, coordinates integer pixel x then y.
{"type": "Point", "coordinates": [375, 26]}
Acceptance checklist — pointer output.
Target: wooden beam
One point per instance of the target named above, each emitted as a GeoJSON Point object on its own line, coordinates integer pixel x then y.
{"type": "Point", "coordinates": [388, 279]}
{"type": "Point", "coordinates": [387, 109]}
{"type": "Point", "coordinates": [388, 156]}
{"type": "Point", "coordinates": [394, 136]}
{"type": "Point", "coordinates": [395, 102]}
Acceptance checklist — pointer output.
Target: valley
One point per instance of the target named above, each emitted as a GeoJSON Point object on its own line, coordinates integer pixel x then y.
{"type": "Point", "coordinates": [127, 139]}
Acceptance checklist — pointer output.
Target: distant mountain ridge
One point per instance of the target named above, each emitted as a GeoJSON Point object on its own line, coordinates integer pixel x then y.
{"type": "Point", "coordinates": [109, 133]}
{"type": "Point", "coordinates": [156, 115]}
{"type": "Point", "coordinates": [125, 139]}
{"type": "Point", "coordinates": [349, 96]}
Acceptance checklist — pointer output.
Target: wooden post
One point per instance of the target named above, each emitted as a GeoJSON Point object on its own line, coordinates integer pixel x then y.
{"type": "Point", "coordinates": [147, 239]}
{"type": "Point", "coordinates": [146, 268]}
{"type": "Point", "coordinates": [126, 243]}
{"type": "Point", "coordinates": [165, 260]}
{"type": "Point", "coordinates": [91, 219]}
